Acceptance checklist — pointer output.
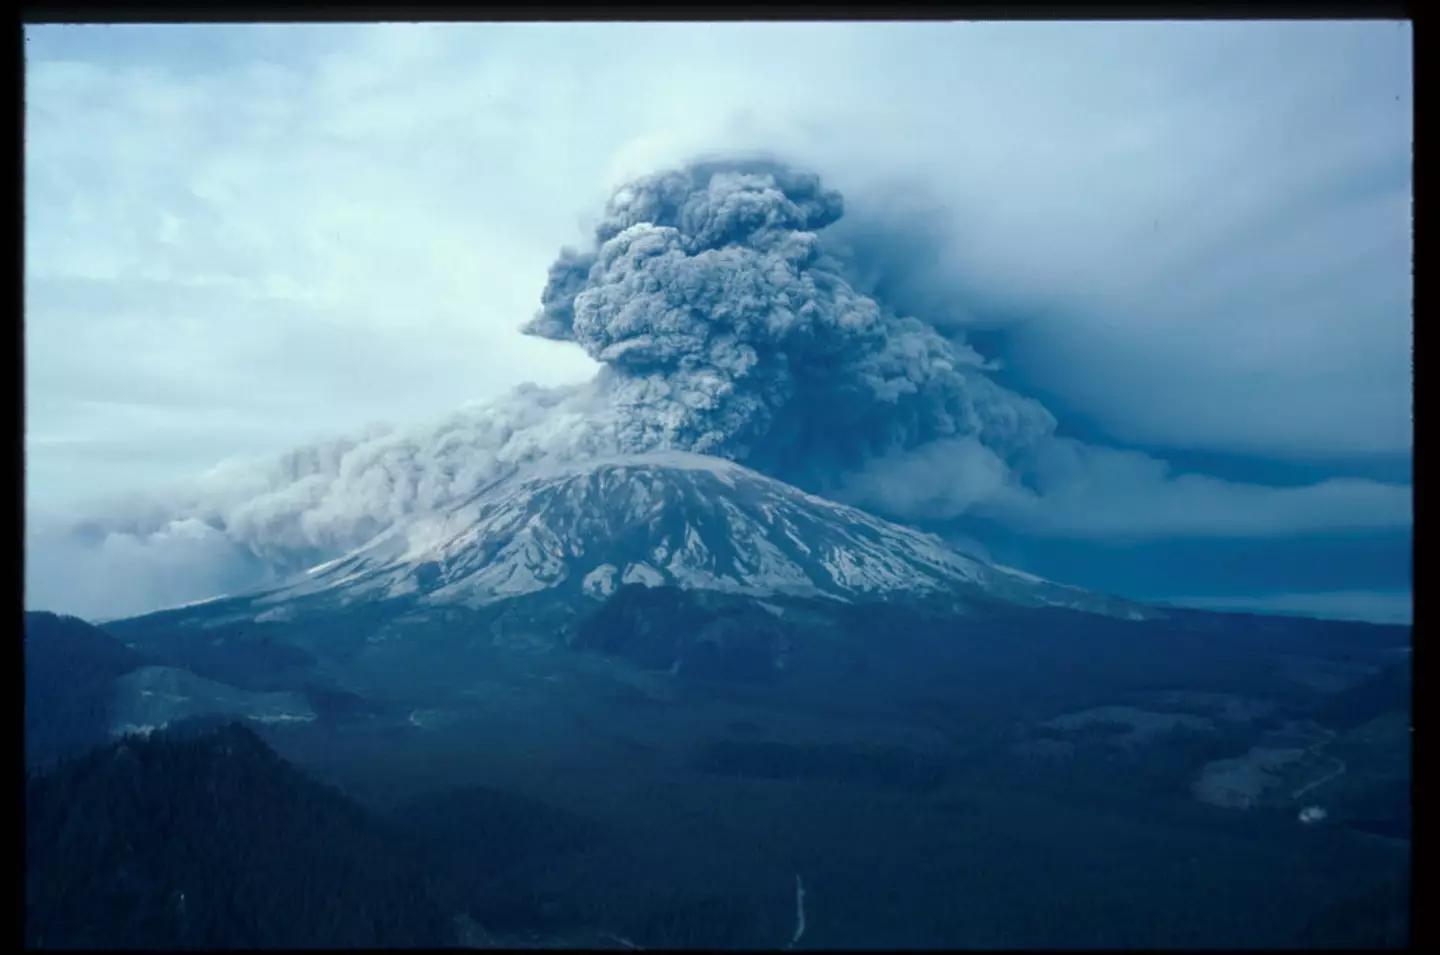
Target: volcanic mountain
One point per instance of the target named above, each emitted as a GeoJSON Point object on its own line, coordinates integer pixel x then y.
{"type": "Point", "coordinates": [672, 561]}
{"type": "Point", "coordinates": [661, 519]}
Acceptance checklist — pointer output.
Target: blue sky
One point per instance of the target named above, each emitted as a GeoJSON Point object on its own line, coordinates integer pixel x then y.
{"type": "Point", "coordinates": [1190, 241]}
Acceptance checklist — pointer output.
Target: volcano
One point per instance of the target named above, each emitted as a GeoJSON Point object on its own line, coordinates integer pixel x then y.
{"type": "Point", "coordinates": [671, 519]}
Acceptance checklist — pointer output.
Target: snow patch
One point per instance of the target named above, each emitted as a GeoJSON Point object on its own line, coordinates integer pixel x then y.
{"type": "Point", "coordinates": [321, 568]}
{"type": "Point", "coordinates": [600, 582]}
{"type": "Point", "coordinates": [1015, 572]}
{"type": "Point", "coordinates": [642, 573]}
{"type": "Point", "coordinates": [196, 603]}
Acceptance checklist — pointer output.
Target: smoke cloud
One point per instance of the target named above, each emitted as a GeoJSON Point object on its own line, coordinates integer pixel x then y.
{"type": "Point", "coordinates": [727, 319]}
{"type": "Point", "coordinates": [726, 326]}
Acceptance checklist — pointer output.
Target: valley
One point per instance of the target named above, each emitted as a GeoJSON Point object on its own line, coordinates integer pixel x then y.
{"type": "Point", "coordinates": [904, 837]}
{"type": "Point", "coordinates": [923, 777]}
{"type": "Point", "coordinates": [944, 753]}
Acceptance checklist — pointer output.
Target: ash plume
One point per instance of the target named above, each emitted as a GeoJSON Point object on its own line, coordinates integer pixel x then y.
{"type": "Point", "coordinates": [724, 325]}
{"type": "Point", "coordinates": [727, 327]}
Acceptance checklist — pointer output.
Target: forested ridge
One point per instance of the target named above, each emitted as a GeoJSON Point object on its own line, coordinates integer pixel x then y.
{"type": "Point", "coordinates": [209, 840]}
{"type": "Point", "coordinates": [70, 671]}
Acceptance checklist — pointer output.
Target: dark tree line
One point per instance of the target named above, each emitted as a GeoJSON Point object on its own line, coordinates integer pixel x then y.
{"type": "Point", "coordinates": [210, 840]}
{"type": "Point", "coordinates": [70, 671]}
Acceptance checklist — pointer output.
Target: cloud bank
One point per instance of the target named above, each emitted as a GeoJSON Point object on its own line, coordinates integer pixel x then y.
{"type": "Point", "coordinates": [1063, 488]}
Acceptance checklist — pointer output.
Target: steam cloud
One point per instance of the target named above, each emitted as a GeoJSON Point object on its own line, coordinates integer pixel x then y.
{"type": "Point", "coordinates": [724, 324]}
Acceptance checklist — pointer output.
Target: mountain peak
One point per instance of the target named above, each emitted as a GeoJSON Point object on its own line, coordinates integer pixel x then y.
{"type": "Point", "coordinates": [661, 519]}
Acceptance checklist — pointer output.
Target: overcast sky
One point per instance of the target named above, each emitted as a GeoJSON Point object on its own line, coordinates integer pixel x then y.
{"type": "Point", "coordinates": [1191, 242]}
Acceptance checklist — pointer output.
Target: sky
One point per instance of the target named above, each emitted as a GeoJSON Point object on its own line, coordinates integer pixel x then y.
{"type": "Point", "coordinates": [1190, 242]}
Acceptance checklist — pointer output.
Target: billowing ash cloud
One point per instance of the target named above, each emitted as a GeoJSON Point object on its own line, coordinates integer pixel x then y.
{"type": "Point", "coordinates": [726, 327]}
{"type": "Point", "coordinates": [723, 326]}
{"type": "Point", "coordinates": [725, 323]}
{"type": "Point", "coordinates": [315, 502]}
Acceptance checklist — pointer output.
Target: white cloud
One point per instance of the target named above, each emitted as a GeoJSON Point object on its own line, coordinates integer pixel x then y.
{"type": "Point", "coordinates": [937, 480]}
{"type": "Point", "coordinates": [1089, 491]}
{"type": "Point", "coordinates": [122, 574]}
{"type": "Point", "coordinates": [1068, 489]}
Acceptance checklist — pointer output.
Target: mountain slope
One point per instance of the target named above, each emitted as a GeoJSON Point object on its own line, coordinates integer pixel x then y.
{"type": "Point", "coordinates": [84, 687]}
{"type": "Point", "coordinates": [71, 670]}
{"type": "Point", "coordinates": [674, 519]}
{"type": "Point", "coordinates": [210, 840]}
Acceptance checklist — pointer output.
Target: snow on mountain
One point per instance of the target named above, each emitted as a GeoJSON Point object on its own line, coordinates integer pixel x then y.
{"type": "Point", "coordinates": [675, 518]}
